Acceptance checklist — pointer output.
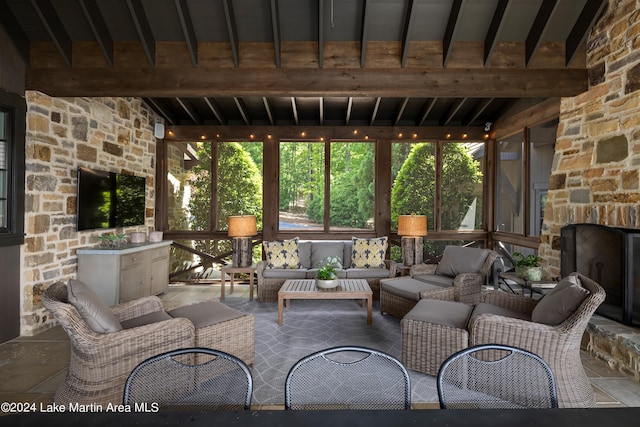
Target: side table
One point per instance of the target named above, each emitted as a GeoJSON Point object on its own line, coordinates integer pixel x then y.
{"type": "Point", "coordinates": [232, 270]}
{"type": "Point", "coordinates": [538, 286]}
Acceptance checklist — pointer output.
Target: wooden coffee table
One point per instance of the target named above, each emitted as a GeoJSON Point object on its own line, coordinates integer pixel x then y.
{"type": "Point", "coordinates": [306, 289]}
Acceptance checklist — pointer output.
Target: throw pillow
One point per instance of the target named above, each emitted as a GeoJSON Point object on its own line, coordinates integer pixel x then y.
{"type": "Point", "coordinates": [560, 303]}
{"type": "Point", "coordinates": [368, 253]}
{"type": "Point", "coordinates": [92, 309]}
{"type": "Point", "coordinates": [282, 254]}
{"type": "Point", "coordinates": [460, 259]}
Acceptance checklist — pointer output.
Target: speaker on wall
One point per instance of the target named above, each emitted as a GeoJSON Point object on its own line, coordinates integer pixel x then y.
{"type": "Point", "coordinates": [159, 130]}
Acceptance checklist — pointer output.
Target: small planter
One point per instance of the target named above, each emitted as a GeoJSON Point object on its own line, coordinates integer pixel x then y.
{"type": "Point", "coordinates": [529, 273]}
{"type": "Point", "coordinates": [327, 284]}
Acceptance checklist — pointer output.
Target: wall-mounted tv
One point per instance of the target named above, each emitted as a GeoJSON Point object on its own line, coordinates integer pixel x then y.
{"type": "Point", "coordinates": [109, 199]}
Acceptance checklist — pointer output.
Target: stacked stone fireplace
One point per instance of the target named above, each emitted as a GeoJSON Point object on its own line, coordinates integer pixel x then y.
{"type": "Point", "coordinates": [611, 257]}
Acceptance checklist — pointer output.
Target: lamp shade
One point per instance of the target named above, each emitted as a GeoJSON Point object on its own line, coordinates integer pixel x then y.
{"type": "Point", "coordinates": [412, 225]}
{"type": "Point", "coordinates": [242, 226]}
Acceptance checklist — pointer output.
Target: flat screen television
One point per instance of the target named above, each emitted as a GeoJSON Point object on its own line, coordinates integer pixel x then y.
{"type": "Point", "coordinates": [109, 199]}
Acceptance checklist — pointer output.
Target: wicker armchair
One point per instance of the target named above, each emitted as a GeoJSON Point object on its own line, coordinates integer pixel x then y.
{"type": "Point", "coordinates": [558, 345]}
{"type": "Point", "coordinates": [101, 362]}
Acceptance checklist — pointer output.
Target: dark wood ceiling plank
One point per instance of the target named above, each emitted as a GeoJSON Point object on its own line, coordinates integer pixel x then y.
{"type": "Point", "coordinates": [408, 30]}
{"type": "Point", "coordinates": [365, 33]}
{"type": "Point", "coordinates": [187, 29]}
{"type": "Point", "coordinates": [99, 28]}
{"type": "Point", "coordinates": [480, 107]}
{"type": "Point", "coordinates": [161, 109]}
{"type": "Point", "coordinates": [275, 25]}
{"type": "Point", "coordinates": [294, 111]}
{"type": "Point", "coordinates": [143, 28]}
{"type": "Point", "coordinates": [242, 109]}
{"type": "Point", "coordinates": [191, 111]}
{"type": "Point", "coordinates": [400, 111]}
{"type": "Point", "coordinates": [321, 109]}
{"type": "Point", "coordinates": [374, 113]}
{"type": "Point", "coordinates": [357, 82]}
{"type": "Point", "coordinates": [232, 30]}
{"type": "Point", "coordinates": [497, 23]}
{"type": "Point", "coordinates": [588, 17]}
{"type": "Point", "coordinates": [428, 106]}
{"type": "Point", "coordinates": [452, 111]}
{"type": "Point", "coordinates": [449, 34]}
{"type": "Point", "coordinates": [320, 33]}
{"type": "Point", "coordinates": [51, 21]}
{"type": "Point", "coordinates": [349, 110]}
{"type": "Point", "coordinates": [18, 37]}
{"type": "Point", "coordinates": [216, 110]}
{"type": "Point", "coordinates": [267, 108]}
{"type": "Point", "coordinates": [540, 25]}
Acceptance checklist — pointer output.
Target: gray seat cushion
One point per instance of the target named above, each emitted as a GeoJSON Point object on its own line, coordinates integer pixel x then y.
{"type": "Point", "coordinates": [146, 319]}
{"type": "Point", "coordinates": [367, 273]}
{"type": "Point", "coordinates": [321, 249]}
{"type": "Point", "coordinates": [560, 303]}
{"type": "Point", "coordinates": [304, 252]}
{"type": "Point", "coordinates": [406, 287]}
{"type": "Point", "coordinates": [447, 313]}
{"type": "Point", "coordinates": [435, 279]}
{"type": "Point", "coordinates": [284, 273]}
{"type": "Point", "coordinates": [459, 259]}
{"type": "Point", "coordinates": [494, 309]}
{"type": "Point", "coordinates": [207, 313]}
{"type": "Point", "coordinates": [313, 272]}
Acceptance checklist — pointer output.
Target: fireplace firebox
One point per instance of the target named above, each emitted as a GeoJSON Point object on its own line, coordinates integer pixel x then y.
{"type": "Point", "coordinates": [611, 257]}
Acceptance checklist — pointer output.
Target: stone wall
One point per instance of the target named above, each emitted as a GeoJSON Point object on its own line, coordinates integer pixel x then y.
{"type": "Point", "coordinates": [111, 134]}
{"type": "Point", "coordinates": [594, 177]}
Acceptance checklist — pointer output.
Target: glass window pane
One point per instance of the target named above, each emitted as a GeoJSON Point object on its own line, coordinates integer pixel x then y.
{"type": "Point", "coordinates": [352, 185]}
{"type": "Point", "coordinates": [239, 189]}
{"type": "Point", "coordinates": [509, 180]}
{"type": "Point", "coordinates": [413, 181]}
{"type": "Point", "coordinates": [4, 119]}
{"type": "Point", "coordinates": [462, 167]}
{"type": "Point", "coordinates": [189, 185]}
{"type": "Point", "coordinates": [542, 142]}
{"type": "Point", "coordinates": [301, 186]}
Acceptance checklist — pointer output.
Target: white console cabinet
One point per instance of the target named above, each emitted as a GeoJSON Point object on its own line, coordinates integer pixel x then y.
{"type": "Point", "coordinates": [125, 274]}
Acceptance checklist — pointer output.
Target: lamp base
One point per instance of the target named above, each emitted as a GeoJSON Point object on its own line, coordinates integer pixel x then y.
{"type": "Point", "coordinates": [411, 250]}
{"type": "Point", "coordinates": [242, 256]}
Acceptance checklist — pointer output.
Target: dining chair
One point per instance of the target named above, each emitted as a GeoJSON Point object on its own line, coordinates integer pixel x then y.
{"type": "Point", "coordinates": [190, 379]}
{"type": "Point", "coordinates": [348, 377]}
{"type": "Point", "coordinates": [495, 376]}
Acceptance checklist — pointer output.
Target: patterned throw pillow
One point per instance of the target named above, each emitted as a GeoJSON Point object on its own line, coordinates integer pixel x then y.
{"type": "Point", "coordinates": [368, 253]}
{"type": "Point", "coordinates": [282, 254]}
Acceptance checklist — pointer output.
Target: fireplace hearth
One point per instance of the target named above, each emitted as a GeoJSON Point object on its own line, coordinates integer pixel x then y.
{"type": "Point", "coordinates": [611, 257]}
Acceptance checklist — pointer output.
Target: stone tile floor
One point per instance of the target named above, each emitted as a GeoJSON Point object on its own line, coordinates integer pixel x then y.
{"type": "Point", "coordinates": [32, 367]}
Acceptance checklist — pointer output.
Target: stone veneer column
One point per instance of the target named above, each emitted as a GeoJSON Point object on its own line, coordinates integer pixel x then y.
{"type": "Point", "coordinates": [594, 177]}
{"type": "Point", "coordinates": [113, 134]}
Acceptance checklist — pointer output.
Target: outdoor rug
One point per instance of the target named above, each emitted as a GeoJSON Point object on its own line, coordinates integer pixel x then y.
{"type": "Point", "coordinates": [311, 326]}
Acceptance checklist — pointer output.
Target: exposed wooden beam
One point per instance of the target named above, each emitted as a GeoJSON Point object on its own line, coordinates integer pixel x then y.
{"type": "Point", "coordinates": [586, 20]}
{"type": "Point", "coordinates": [232, 30]}
{"type": "Point", "coordinates": [275, 25]}
{"type": "Point", "coordinates": [267, 108]}
{"type": "Point", "coordinates": [349, 108]}
{"type": "Point", "coordinates": [14, 31]}
{"type": "Point", "coordinates": [242, 109]}
{"type": "Point", "coordinates": [453, 110]}
{"type": "Point", "coordinates": [477, 111]}
{"type": "Point", "coordinates": [188, 108]}
{"type": "Point", "coordinates": [320, 32]}
{"type": "Point", "coordinates": [408, 30]}
{"type": "Point", "coordinates": [535, 115]}
{"type": "Point", "coordinates": [428, 106]}
{"type": "Point", "coordinates": [497, 23]}
{"type": "Point", "coordinates": [400, 111]}
{"type": "Point", "coordinates": [187, 29]}
{"type": "Point", "coordinates": [449, 35]}
{"type": "Point", "coordinates": [144, 30]}
{"type": "Point", "coordinates": [161, 109]}
{"type": "Point", "coordinates": [375, 111]}
{"type": "Point", "coordinates": [99, 28]}
{"type": "Point", "coordinates": [51, 21]}
{"type": "Point", "coordinates": [365, 33]}
{"type": "Point", "coordinates": [338, 82]}
{"type": "Point", "coordinates": [540, 25]}
{"type": "Point", "coordinates": [215, 109]}
{"type": "Point", "coordinates": [294, 110]}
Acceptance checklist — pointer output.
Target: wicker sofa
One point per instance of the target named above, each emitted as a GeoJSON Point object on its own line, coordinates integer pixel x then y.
{"type": "Point", "coordinates": [311, 252]}
{"type": "Point", "coordinates": [106, 347]}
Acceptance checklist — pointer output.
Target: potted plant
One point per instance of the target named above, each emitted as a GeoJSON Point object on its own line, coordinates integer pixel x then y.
{"type": "Point", "coordinates": [528, 267]}
{"type": "Point", "coordinates": [326, 277]}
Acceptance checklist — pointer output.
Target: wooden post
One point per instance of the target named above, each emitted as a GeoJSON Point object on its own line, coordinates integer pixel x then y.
{"type": "Point", "coordinates": [242, 256]}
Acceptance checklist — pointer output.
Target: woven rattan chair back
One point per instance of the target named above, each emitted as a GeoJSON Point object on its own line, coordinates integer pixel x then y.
{"type": "Point", "coordinates": [190, 379]}
{"type": "Point", "coordinates": [348, 377]}
{"type": "Point", "coordinates": [496, 376]}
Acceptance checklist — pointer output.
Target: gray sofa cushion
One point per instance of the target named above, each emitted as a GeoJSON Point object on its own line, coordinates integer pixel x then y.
{"type": "Point", "coordinates": [312, 272]}
{"type": "Point", "coordinates": [435, 279]}
{"type": "Point", "coordinates": [494, 309]}
{"type": "Point", "coordinates": [459, 259]}
{"type": "Point", "coordinates": [320, 250]}
{"type": "Point", "coordinates": [406, 287]}
{"type": "Point", "coordinates": [206, 313]}
{"type": "Point", "coordinates": [92, 309]}
{"type": "Point", "coordinates": [560, 303]}
{"type": "Point", "coordinates": [304, 251]}
{"type": "Point", "coordinates": [146, 319]}
{"type": "Point", "coordinates": [284, 273]}
{"type": "Point", "coordinates": [448, 313]}
{"type": "Point", "coordinates": [367, 273]}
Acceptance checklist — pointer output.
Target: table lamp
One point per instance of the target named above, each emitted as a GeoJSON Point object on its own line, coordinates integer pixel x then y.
{"type": "Point", "coordinates": [241, 229]}
{"type": "Point", "coordinates": [412, 228]}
